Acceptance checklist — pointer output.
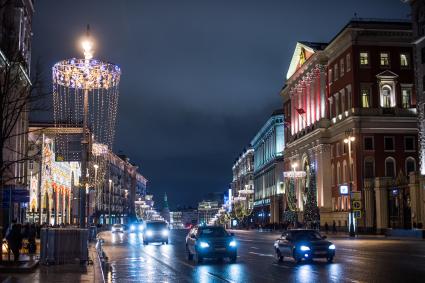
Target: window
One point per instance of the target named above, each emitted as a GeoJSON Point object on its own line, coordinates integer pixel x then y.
{"type": "Point", "coordinates": [348, 59]}
{"type": "Point", "coordinates": [332, 151]}
{"type": "Point", "coordinates": [330, 76]}
{"type": "Point", "coordinates": [341, 67]}
{"type": "Point", "coordinates": [332, 175]}
{"type": "Point", "coordinates": [389, 167]}
{"type": "Point", "coordinates": [384, 59]}
{"type": "Point", "coordinates": [365, 97]}
{"type": "Point", "coordinates": [344, 148]}
{"type": "Point", "coordinates": [410, 165]}
{"type": "Point", "coordinates": [404, 60]}
{"type": "Point", "coordinates": [335, 72]}
{"type": "Point", "coordinates": [337, 149]}
{"type": "Point", "coordinates": [364, 58]}
{"type": "Point", "coordinates": [369, 167]}
{"type": "Point", "coordinates": [344, 172]}
{"type": "Point", "coordinates": [31, 165]}
{"type": "Point", "coordinates": [409, 143]}
{"type": "Point", "coordinates": [386, 96]}
{"type": "Point", "coordinates": [389, 143]}
{"type": "Point", "coordinates": [406, 94]}
{"type": "Point", "coordinates": [338, 173]}
{"type": "Point", "coordinates": [368, 143]}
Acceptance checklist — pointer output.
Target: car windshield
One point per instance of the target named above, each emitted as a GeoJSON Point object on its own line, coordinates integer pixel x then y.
{"type": "Point", "coordinates": [156, 225]}
{"type": "Point", "coordinates": [306, 235]}
{"type": "Point", "coordinates": [213, 232]}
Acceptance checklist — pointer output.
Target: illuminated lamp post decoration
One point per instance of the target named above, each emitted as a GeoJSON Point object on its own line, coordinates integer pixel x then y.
{"type": "Point", "coordinates": [311, 210]}
{"type": "Point", "coordinates": [85, 96]}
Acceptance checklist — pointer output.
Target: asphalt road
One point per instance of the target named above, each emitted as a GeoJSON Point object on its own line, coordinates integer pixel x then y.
{"type": "Point", "coordinates": [359, 260]}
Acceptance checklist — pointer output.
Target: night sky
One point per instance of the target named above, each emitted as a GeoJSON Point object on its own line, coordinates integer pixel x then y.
{"type": "Point", "coordinates": [199, 78]}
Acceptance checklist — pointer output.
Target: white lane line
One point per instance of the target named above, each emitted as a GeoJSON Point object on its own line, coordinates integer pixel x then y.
{"type": "Point", "coordinates": [245, 240]}
{"type": "Point", "coordinates": [165, 255]}
{"type": "Point", "coordinates": [260, 254]}
{"type": "Point", "coordinates": [255, 248]}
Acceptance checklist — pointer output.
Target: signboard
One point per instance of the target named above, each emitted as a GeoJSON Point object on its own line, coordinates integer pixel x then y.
{"type": "Point", "coordinates": [357, 204]}
{"type": "Point", "coordinates": [356, 196]}
{"type": "Point", "coordinates": [343, 189]}
{"type": "Point", "coordinates": [357, 213]}
{"type": "Point", "coordinates": [262, 202]}
{"type": "Point", "coordinates": [294, 174]}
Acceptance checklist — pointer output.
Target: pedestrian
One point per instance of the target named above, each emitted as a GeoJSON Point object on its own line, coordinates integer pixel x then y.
{"type": "Point", "coordinates": [14, 240]}
{"type": "Point", "coordinates": [334, 227]}
{"type": "Point", "coordinates": [326, 227]}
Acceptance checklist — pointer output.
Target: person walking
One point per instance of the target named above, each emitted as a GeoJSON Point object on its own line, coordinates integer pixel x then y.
{"type": "Point", "coordinates": [14, 240]}
{"type": "Point", "coordinates": [334, 227]}
{"type": "Point", "coordinates": [326, 227]}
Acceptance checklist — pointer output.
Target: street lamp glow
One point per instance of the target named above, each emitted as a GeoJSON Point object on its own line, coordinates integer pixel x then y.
{"type": "Point", "coordinates": [110, 181]}
{"type": "Point", "coordinates": [294, 165]}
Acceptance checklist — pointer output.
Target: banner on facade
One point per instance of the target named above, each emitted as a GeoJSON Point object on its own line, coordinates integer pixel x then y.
{"type": "Point", "coordinates": [294, 174]}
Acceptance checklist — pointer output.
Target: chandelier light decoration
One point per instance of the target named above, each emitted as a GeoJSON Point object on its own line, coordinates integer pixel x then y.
{"type": "Point", "coordinates": [85, 100]}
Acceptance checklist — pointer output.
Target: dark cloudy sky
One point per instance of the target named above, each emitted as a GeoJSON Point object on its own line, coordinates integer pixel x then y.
{"type": "Point", "coordinates": [199, 78]}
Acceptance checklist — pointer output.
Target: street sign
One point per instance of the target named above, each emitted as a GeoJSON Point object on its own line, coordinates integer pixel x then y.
{"type": "Point", "coordinates": [356, 196]}
{"type": "Point", "coordinates": [357, 213]}
{"type": "Point", "coordinates": [343, 189]}
{"type": "Point", "coordinates": [357, 204]}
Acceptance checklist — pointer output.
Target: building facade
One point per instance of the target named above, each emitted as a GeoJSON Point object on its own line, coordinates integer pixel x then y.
{"type": "Point", "coordinates": [15, 60]}
{"type": "Point", "coordinates": [268, 147]}
{"type": "Point", "coordinates": [359, 88]}
{"type": "Point", "coordinates": [206, 211]}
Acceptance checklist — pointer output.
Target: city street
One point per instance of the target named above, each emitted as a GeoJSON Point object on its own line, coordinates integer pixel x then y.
{"type": "Point", "coordinates": [371, 259]}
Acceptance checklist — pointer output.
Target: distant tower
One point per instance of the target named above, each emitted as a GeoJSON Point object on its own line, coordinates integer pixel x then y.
{"type": "Point", "coordinates": [165, 209]}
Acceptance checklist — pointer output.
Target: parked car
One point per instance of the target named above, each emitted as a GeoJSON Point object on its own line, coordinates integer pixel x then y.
{"type": "Point", "coordinates": [117, 228]}
{"type": "Point", "coordinates": [210, 242]}
{"type": "Point", "coordinates": [303, 244]}
{"type": "Point", "coordinates": [155, 231]}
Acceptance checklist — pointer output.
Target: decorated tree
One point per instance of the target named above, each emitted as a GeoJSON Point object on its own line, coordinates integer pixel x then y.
{"type": "Point", "coordinates": [311, 211]}
{"type": "Point", "coordinates": [290, 214]}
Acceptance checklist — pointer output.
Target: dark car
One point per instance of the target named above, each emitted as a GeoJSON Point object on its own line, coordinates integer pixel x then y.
{"type": "Point", "coordinates": [303, 244]}
{"type": "Point", "coordinates": [210, 242]}
{"type": "Point", "coordinates": [155, 231]}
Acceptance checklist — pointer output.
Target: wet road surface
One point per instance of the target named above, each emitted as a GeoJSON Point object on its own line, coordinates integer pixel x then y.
{"type": "Point", "coordinates": [359, 260]}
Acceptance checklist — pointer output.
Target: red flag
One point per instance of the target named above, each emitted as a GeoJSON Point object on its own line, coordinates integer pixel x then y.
{"type": "Point", "coordinates": [300, 111]}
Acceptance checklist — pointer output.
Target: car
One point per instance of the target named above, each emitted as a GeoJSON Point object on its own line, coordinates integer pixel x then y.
{"type": "Point", "coordinates": [303, 244]}
{"type": "Point", "coordinates": [117, 228]}
{"type": "Point", "coordinates": [210, 242]}
{"type": "Point", "coordinates": [135, 227]}
{"type": "Point", "coordinates": [155, 231]}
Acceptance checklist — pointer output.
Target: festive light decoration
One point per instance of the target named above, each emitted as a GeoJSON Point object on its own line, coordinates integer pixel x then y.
{"type": "Point", "coordinates": [311, 210]}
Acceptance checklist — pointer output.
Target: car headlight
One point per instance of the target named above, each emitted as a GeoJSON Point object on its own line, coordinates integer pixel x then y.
{"type": "Point", "coordinates": [304, 248]}
{"type": "Point", "coordinates": [149, 233]}
{"type": "Point", "coordinates": [204, 245]}
{"type": "Point", "coordinates": [332, 247]}
{"type": "Point", "coordinates": [132, 228]}
{"type": "Point", "coordinates": [164, 232]}
{"type": "Point", "coordinates": [232, 244]}
{"type": "Point", "coordinates": [140, 227]}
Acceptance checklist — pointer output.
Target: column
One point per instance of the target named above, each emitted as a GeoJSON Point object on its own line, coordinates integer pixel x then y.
{"type": "Point", "coordinates": [323, 176]}
{"type": "Point", "coordinates": [381, 200]}
{"type": "Point", "coordinates": [369, 204]}
{"type": "Point", "coordinates": [323, 95]}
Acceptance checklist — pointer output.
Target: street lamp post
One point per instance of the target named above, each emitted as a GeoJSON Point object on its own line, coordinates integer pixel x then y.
{"type": "Point", "coordinates": [348, 140]}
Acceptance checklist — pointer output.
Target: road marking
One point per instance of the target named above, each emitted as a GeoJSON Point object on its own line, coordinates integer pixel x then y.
{"type": "Point", "coordinates": [165, 255]}
{"type": "Point", "coordinates": [260, 254]}
{"type": "Point", "coordinates": [255, 248]}
{"type": "Point", "coordinates": [220, 277]}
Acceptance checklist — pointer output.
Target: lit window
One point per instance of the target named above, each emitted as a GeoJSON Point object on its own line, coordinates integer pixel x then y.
{"type": "Point", "coordinates": [348, 59]}
{"type": "Point", "coordinates": [386, 96]}
{"type": "Point", "coordinates": [404, 60]}
{"type": "Point", "coordinates": [405, 97]}
{"type": "Point", "coordinates": [342, 69]}
{"type": "Point", "coordinates": [364, 58]}
{"type": "Point", "coordinates": [385, 59]}
{"type": "Point", "coordinates": [365, 97]}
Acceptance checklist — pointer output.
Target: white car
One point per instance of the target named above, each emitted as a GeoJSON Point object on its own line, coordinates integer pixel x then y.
{"type": "Point", "coordinates": [117, 228]}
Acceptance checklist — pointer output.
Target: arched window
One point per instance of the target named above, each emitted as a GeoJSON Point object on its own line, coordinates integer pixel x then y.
{"type": "Point", "coordinates": [332, 175]}
{"type": "Point", "coordinates": [386, 96]}
{"type": "Point", "coordinates": [410, 165]}
{"type": "Point", "coordinates": [369, 167]}
{"type": "Point", "coordinates": [390, 170]}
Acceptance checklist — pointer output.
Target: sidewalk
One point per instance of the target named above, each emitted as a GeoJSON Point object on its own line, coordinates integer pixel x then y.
{"type": "Point", "coordinates": [60, 273]}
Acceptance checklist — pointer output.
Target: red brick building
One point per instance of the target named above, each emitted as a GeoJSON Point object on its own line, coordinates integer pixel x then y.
{"type": "Point", "coordinates": [360, 84]}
